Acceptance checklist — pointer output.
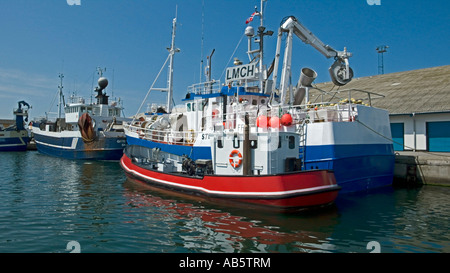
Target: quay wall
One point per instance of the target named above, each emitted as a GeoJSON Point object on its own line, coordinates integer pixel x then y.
{"type": "Point", "coordinates": [422, 168]}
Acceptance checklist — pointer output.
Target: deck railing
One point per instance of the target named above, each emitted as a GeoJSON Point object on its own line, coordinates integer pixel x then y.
{"type": "Point", "coordinates": [205, 88]}
{"type": "Point", "coordinates": [163, 136]}
{"type": "Point", "coordinates": [234, 120]}
{"type": "Point", "coordinates": [344, 96]}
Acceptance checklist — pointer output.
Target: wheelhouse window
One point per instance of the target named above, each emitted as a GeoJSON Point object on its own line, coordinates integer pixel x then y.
{"type": "Point", "coordinates": [291, 142]}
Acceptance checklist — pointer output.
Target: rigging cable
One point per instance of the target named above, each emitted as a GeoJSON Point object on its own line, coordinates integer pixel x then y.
{"type": "Point", "coordinates": [232, 55]}
{"type": "Point", "coordinates": [151, 87]}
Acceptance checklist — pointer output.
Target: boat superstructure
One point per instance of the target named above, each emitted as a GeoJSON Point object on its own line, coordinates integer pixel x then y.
{"type": "Point", "coordinates": [336, 130]}
{"type": "Point", "coordinates": [87, 130]}
{"type": "Point", "coordinates": [16, 136]}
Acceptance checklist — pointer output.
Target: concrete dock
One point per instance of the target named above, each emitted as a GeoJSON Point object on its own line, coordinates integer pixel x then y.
{"type": "Point", "coordinates": [422, 168]}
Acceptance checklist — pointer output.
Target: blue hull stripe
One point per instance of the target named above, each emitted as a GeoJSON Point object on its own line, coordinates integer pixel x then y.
{"type": "Point", "coordinates": [77, 154]}
{"type": "Point", "coordinates": [194, 152]}
{"type": "Point", "coordinates": [62, 147]}
{"type": "Point", "coordinates": [356, 167]}
{"type": "Point", "coordinates": [14, 143]}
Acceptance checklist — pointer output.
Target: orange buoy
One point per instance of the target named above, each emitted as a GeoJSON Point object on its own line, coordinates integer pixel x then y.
{"type": "Point", "coordinates": [286, 120]}
{"type": "Point", "coordinates": [274, 122]}
{"type": "Point", "coordinates": [261, 121]}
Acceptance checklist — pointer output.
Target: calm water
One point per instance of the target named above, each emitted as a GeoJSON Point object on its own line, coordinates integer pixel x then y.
{"type": "Point", "coordinates": [48, 202]}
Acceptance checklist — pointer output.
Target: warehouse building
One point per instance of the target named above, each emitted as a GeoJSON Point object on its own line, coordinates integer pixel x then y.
{"type": "Point", "coordinates": [4, 123]}
{"type": "Point", "coordinates": [418, 102]}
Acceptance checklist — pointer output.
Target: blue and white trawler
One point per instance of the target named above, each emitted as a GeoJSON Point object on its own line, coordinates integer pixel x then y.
{"type": "Point", "coordinates": [87, 131]}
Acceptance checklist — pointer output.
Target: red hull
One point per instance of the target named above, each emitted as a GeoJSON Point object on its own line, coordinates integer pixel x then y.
{"type": "Point", "coordinates": [300, 189]}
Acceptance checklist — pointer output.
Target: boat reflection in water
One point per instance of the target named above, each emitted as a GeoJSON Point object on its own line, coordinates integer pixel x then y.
{"type": "Point", "coordinates": [232, 227]}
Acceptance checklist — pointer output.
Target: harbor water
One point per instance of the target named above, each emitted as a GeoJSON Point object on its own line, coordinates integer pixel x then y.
{"type": "Point", "coordinates": [49, 203]}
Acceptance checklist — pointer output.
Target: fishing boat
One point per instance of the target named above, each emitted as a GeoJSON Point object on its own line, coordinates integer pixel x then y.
{"type": "Point", "coordinates": [87, 131]}
{"type": "Point", "coordinates": [16, 137]}
{"type": "Point", "coordinates": [244, 162]}
{"type": "Point", "coordinates": [257, 171]}
{"type": "Point", "coordinates": [335, 130]}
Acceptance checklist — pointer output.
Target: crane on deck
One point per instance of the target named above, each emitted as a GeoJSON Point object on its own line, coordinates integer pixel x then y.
{"type": "Point", "coordinates": [340, 71]}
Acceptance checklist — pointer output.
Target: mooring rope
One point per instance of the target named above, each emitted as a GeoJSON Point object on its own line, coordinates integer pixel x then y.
{"type": "Point", "coordinates": [390, 139]}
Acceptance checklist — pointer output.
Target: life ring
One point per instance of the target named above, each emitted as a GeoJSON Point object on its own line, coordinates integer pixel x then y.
{"type": "Point", "coordinates": [233, 163]}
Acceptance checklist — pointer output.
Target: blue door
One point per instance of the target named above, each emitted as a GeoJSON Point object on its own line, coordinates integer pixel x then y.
{"type": "Point", "coordinates": [438, 136]}
{"type": "Point", "coordinates": [398, 136]}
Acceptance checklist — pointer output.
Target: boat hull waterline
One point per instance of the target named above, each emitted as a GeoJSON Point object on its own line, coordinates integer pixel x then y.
{"type": "Point", "coordinates": [13, 141]}
{"type": "Point", "coordinates": [291, 190]}
{"type": "Point", "coordinates": [76, 148]}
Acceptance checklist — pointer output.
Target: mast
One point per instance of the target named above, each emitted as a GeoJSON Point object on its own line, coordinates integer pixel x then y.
{"type": "Point", "coordinates": [202, 40]}
{"type": "Point", "coordinates": [60, 87]}
{"type": "Point", "coordinates": [102, 82]}
{"type": "Point", "coordinates": [249, 32]}
{"type": "Point", "coordinates": [261, 29]}
{"type": "Point", "coordinates": [172, 51]}
{"type": "Point", "coordinates": [169, 89]}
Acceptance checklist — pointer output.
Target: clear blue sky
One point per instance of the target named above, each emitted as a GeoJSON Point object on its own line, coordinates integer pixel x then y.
{"type": "Point", "coordinates": [40, 39]}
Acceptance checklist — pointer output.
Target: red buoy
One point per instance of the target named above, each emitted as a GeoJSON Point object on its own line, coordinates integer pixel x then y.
{"type": "Point", "coordinates": [274, 122]}
{"type": "Point", "coordinates": [215, 113]}
{"type": "Point", "coordinates": [261, 121]}
{"type": "Point", "coordinates": [286, 120]}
